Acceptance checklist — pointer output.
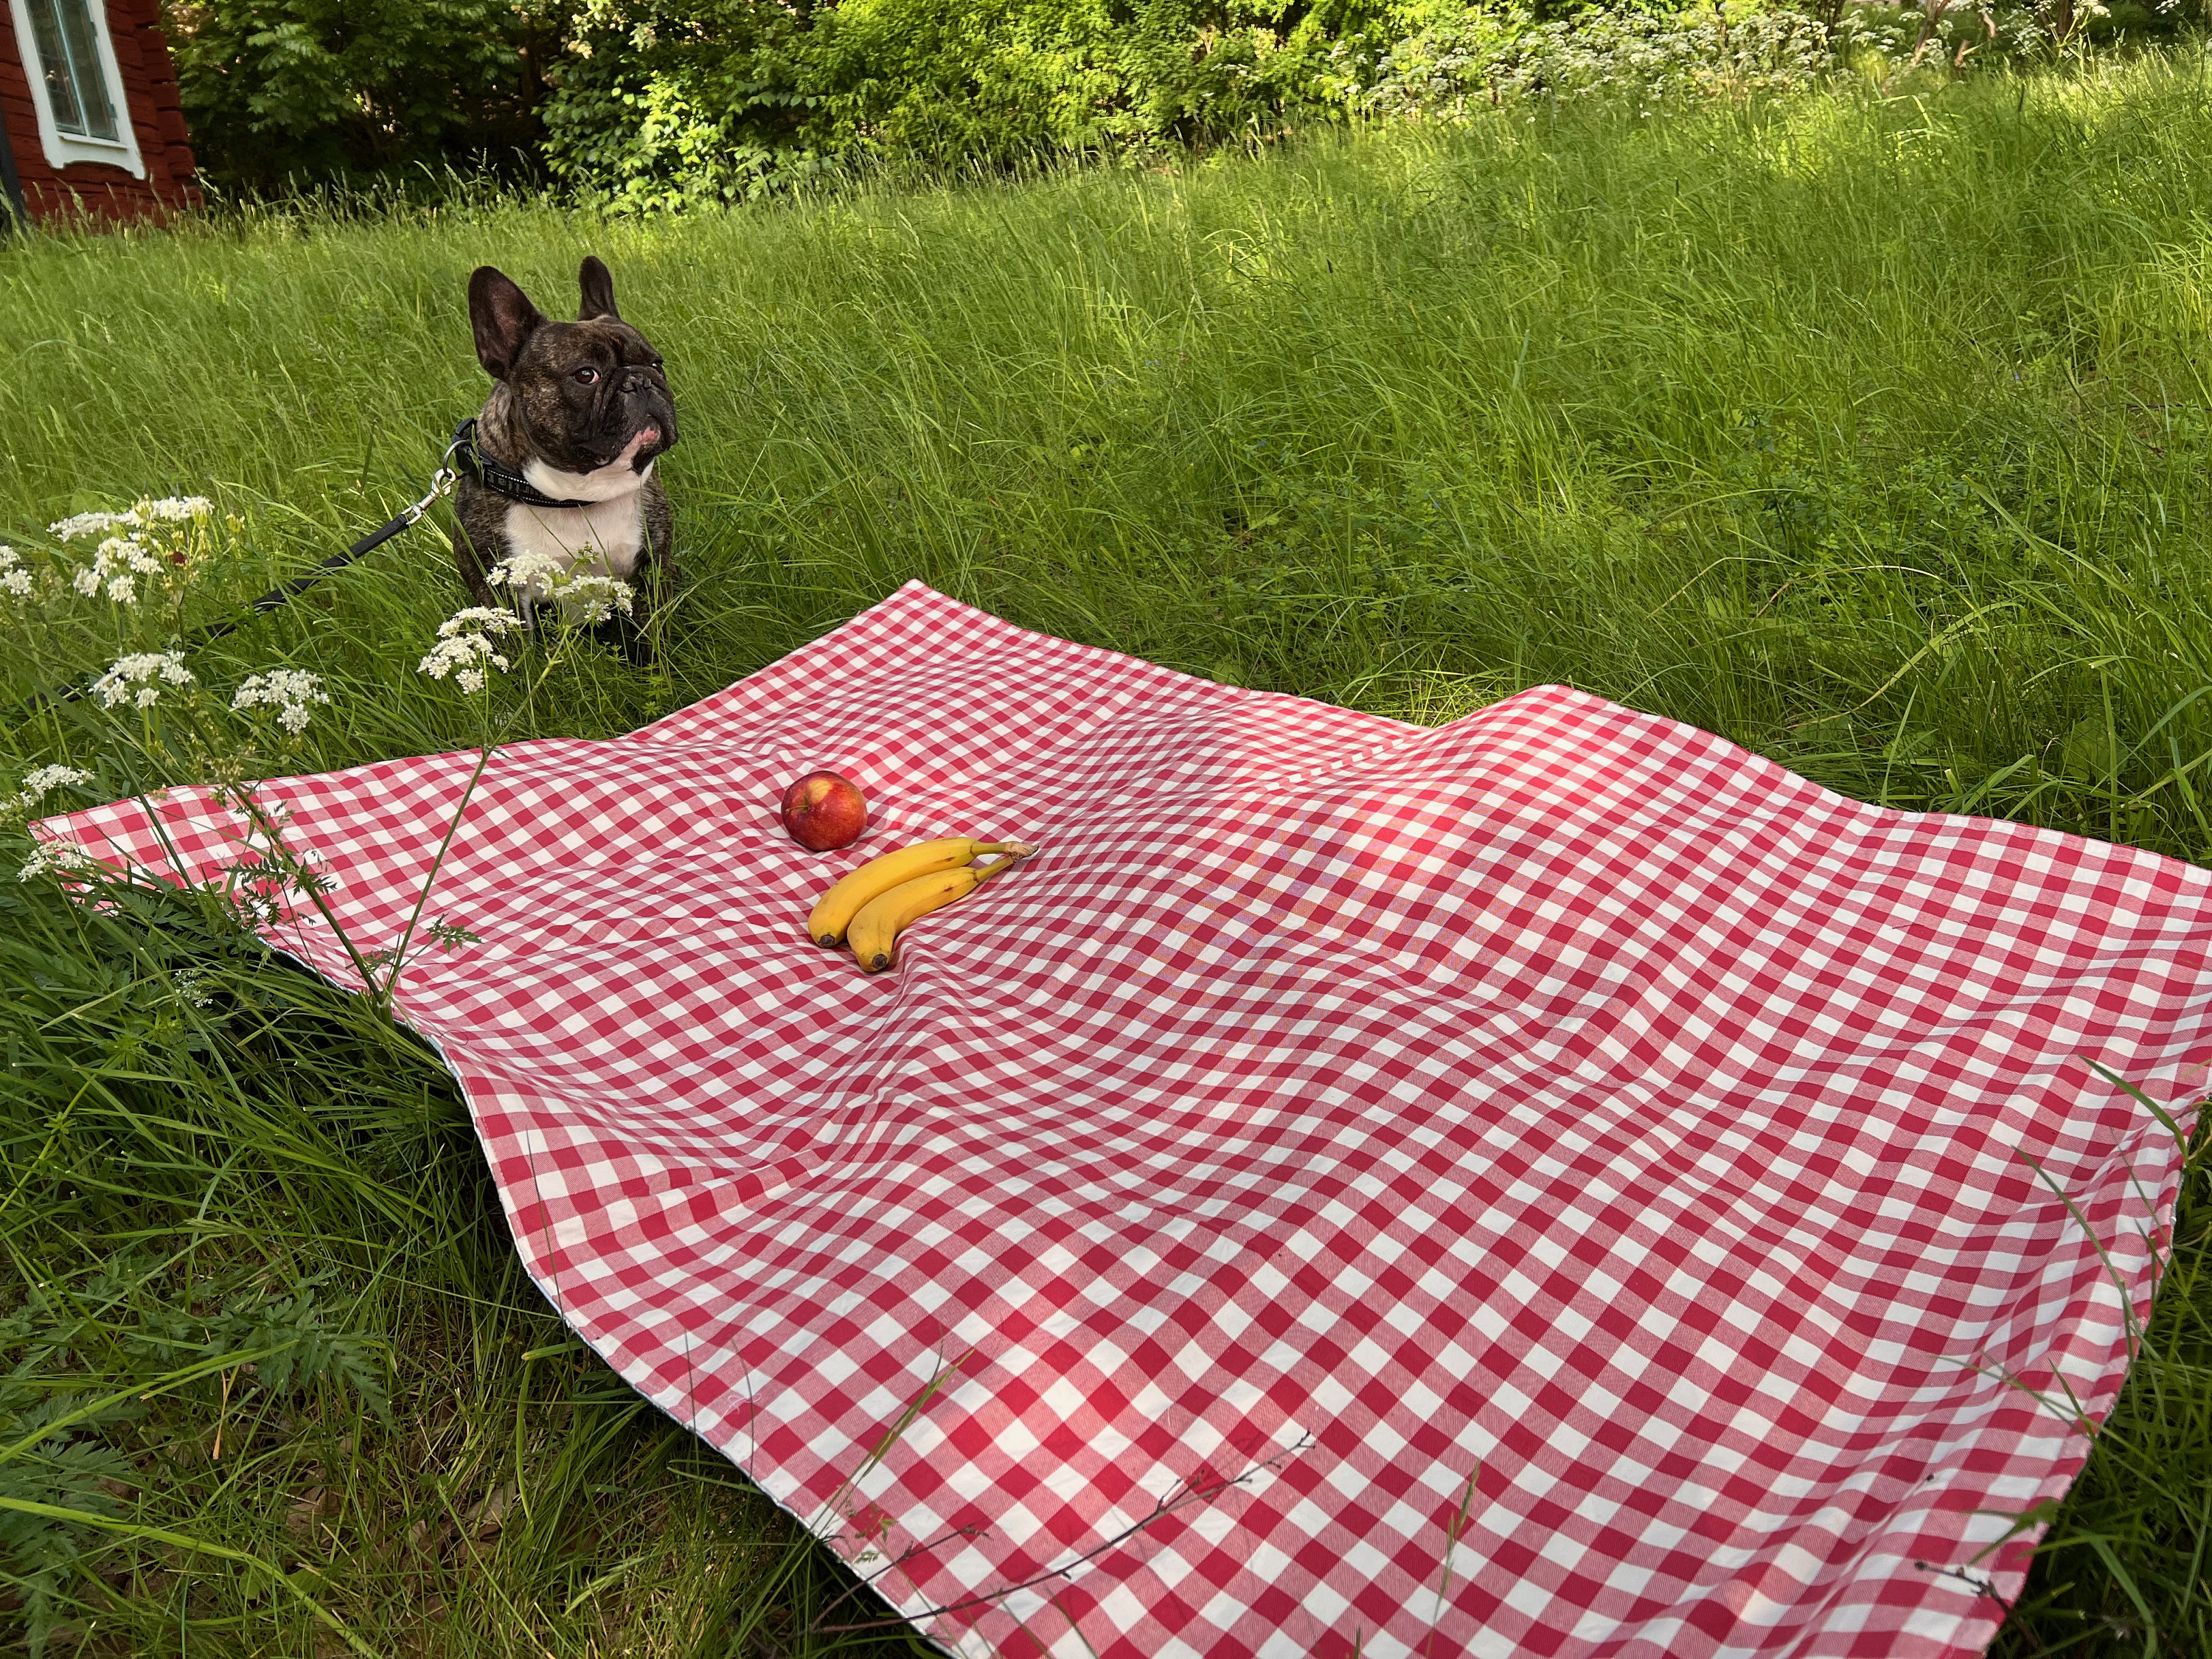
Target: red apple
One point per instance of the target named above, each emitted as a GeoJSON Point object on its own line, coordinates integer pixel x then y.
{"type": "Point", "coordinates": [823, 810]}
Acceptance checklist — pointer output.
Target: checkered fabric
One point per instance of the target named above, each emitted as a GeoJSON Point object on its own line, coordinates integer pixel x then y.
{"type": "Point", "coordinates": [1553, 1184]}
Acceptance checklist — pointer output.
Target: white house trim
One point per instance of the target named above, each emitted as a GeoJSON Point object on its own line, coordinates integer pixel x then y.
{"type": "Point", "coordinates": [63, 148]}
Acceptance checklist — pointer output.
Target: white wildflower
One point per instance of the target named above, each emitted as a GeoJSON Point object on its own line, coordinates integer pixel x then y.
{"type": "Point", "coordinates": [38, 782]}
{"type": "Point", "coordinates": [137, 679]}
{"type": "Point", "coordinates": [584, 591]}
{"type": "Point", "coordinates": [191, 987]}
{"type": "Point", "coordinates": [55, 857]}
{"type": "Point", "coordinates": [170, 509]}
{"type": "Point", "coordinates": [117, 563]}
{"type": "Point", "coordinates": [118, 551]}
{"type": "Point", "coordinates": [593, 599]}
{"type": "Point", "coordinates": [463, 655]}
{"type": "Point", "coordinates": [477, 618]}
{"type": "Point", "coordinates": [286, 690]}
{"type": "Point", "coordinates": [15, 579]}
{"type": "Point", "coordinates": [86, 524]}
{"type": "Point", "coordinates": [529, 571]}
{"type": "Point", "coordinates": [464, 646]}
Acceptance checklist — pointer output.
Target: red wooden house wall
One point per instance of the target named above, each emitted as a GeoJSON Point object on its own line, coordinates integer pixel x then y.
{"type": "Point", "coordinates": [149, 86]}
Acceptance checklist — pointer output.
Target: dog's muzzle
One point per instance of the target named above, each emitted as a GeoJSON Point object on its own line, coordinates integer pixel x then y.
{"type": "Point", "coordinates": [647, 408]}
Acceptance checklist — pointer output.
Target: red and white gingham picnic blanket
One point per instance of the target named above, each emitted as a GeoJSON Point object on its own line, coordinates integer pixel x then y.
{"type": "Point", "coordinates": [1553, 1184]}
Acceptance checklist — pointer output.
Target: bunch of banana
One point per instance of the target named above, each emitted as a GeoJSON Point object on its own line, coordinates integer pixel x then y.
{"type": "Point", "coordinates": [870, 907]}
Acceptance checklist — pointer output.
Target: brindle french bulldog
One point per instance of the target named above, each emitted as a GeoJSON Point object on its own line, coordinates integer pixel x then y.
{"type": "Point", "coordinates": [581, 412]}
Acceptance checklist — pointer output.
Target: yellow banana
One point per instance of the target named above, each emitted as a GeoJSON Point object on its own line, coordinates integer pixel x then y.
{"type": "Point", "coordinates": [834, 911]}
{"type": "Point", "coordinates": [874, 932]}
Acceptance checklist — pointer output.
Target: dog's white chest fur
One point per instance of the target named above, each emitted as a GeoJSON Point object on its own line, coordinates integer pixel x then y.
{"type": "Point", "coordinates": [606, 536]}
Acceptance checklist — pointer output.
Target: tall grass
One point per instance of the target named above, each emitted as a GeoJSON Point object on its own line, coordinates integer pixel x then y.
{"type": "Point", "coordinates": [1870, 432]}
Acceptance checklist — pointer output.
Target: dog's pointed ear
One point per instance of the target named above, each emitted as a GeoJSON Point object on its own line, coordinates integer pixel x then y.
{"type": "Point", "coordinates": [503, 319]}
{"type": "Point", "coordinates": [598, 286]}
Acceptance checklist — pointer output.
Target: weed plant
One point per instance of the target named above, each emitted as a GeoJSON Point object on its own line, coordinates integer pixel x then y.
{"type": "Point", "coordinates": [1870, 432]}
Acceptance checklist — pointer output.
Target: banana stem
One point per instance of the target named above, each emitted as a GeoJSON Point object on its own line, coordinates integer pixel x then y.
{"type": "Point", "coordinates": [1014, 849]}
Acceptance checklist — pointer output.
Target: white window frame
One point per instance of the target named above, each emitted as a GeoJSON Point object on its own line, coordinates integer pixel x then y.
{"type": "Point", "coordinates": [63, 148]}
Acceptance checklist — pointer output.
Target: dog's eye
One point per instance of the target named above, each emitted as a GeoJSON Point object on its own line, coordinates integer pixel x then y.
{"type": "Point", "coordinates": [587, 375]}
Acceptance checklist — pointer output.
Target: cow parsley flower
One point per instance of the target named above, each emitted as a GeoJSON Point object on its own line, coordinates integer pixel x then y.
{"type": "Point", "coordinates": [119, 552]}
{"type": "Point", "coordinates": [15, 579]}
{"type": "Point", "coordinates": [529, 571]}
{"type": "Point", "coordinates": [55, 857]}
{"type": "Point", "coordinates": [465, 647]}
{"type": "Point", "coordinates": [116, 564]}
{"type": "Point", "coordinates": [137, 679]}
{"type": "Point", "coordinates": [39, 781]}
{"type": "Point", "coordinates": [477, 618]}
{"type": "Point", "coordinates": [170, 509]}
{"type": "Point", "coordinates": [286, 690]}
{"type": "Point", "coordinates": [86, 524]}
{"type": "Point", "coordinates": [582, 589]}
{"type": "Point", "coordinates": [590, 598]}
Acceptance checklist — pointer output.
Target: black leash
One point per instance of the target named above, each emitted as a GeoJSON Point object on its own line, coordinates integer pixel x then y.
{"type": "Point", "coordinates": [463, 453]}
{"type": "Point", "coordinates": [277, 598]}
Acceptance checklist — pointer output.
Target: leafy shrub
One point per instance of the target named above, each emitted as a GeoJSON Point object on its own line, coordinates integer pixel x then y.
{"type": "Point", "coordinates": [278, 89]}
{"type": "Point", "coordinates": [1461, 55]}
{"type": "Point", "coordinates": [665, 102]}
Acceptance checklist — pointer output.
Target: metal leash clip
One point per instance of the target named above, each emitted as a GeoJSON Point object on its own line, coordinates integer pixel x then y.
{"type": "Point", "coordinates": [442, 483]}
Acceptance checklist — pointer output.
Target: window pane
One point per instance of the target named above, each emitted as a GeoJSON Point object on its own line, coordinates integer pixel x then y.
{"type": "Point", "coordinates": [69, 56]}
{"type": "Point", "coordinates": [85, 66]}
{"type": "Point", "coordinates": [53, 59]}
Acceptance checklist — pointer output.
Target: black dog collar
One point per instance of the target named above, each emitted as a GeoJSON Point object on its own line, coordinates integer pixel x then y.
{"type": "Point", "coordinates": [499, 479]}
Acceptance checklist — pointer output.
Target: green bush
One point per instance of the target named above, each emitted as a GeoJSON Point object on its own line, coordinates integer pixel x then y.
{"type": "Point", "coordinates": [278, 91]}
{"type": "Point", "coordinates": [667, 102]}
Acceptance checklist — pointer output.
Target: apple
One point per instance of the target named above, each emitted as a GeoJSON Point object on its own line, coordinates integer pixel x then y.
{"type": "Point", "coordinates": [823, 811]}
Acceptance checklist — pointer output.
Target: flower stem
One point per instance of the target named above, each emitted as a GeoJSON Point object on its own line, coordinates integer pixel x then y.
{"type": "Point", "coordinates": [267, 825]}
{"type": "Point", "coordinates": [399, 954]}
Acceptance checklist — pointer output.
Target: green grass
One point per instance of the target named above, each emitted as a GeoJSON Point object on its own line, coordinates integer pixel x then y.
{"type": "Point", "coordinates": [1870, 433]}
